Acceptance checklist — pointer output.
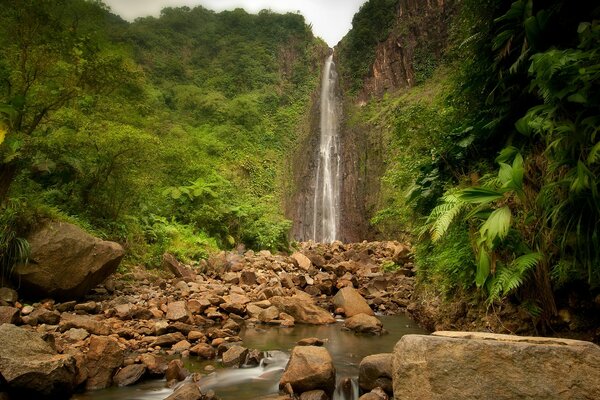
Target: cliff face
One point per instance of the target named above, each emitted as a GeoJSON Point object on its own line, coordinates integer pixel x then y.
{"type": "Point", "coordinates": [416, 42]}
{"type": "Point", "coordinates": [413, 48]}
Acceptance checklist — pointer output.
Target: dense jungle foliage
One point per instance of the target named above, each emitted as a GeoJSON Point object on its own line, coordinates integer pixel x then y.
{"type": "Point", "coordinates": [165, 134]}
{"type": "Point", "coordinates": [494, 162]}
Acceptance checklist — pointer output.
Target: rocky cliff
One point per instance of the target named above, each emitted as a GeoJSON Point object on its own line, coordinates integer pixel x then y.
{"type": "Point", "coordinates": [414, 46]}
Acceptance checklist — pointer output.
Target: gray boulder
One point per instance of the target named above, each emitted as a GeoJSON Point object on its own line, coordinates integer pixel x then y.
{"type": "Point", "coordinates": [472, 365]}
{"type": "Point", "coordinates": [31, 368]}
{"type": "Point", "coordinates": [66, 262]}
{"type": "Point", "coordinates": [376, 371]}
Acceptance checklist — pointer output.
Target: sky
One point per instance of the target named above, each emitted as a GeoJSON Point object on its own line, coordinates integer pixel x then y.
{"type": "Point", "coordinates": [330, 19]}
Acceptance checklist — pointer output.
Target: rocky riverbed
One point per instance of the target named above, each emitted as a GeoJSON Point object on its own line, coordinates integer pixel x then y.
{"type": "Point", "coordinates": [140, 324]}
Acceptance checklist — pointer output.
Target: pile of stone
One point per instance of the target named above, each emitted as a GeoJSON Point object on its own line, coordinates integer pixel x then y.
{"type": "Point", "coordinates": [124, 329]}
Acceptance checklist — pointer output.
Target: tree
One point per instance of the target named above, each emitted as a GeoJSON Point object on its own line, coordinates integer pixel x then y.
{"type": "Point", "coordinates": [51, 53]}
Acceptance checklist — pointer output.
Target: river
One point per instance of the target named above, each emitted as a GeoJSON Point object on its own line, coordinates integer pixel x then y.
{"type": "Point", "coordinates": [346, 349]}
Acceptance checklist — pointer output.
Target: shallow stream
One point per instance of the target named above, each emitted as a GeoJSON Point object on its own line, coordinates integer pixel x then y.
{"type": "Point", "coordinates": [346, 349]}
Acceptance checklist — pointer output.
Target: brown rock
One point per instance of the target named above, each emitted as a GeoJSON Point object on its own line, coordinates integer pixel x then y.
{"type": "Point", "coordinates": [168, 339]}
{"type": "Point", "coordinates": [301, 261]}
{"type": "Point", "coordinates": [156, 366]}
{"type": "Point", "coordinates": [248, 278]}
{"type": "Point", "coordinates": [129, 375]}
{"type": "Point", "coordinates": [302, 311]}
{"type": "Point", "coordinates": [314, 395]}
{"type": "Point", "coordinates": [187, 391]}
{"type": "Point", "coordinates": [103, 358]}
{"type": "Point", "coordinates": [44, 316]}
{"type": "Point", "coordinates": [352, 302]}
{"type": "Point", "coordinates": [177, 311]}
{"type": "Point", "coordinates": [203, 350]}
{"type": "Point", "coordinates": [363, 323]}
{"type": "Point", "coordinates": [170, 263]}
{"type": "Point", "coordinates": [268, 314]}
{"type": "Point", "coordinates": [181, 346]}
{"type": "Point", "coordinates": [309, 368]}
{"type": "Point", "coordinates": [471, 365]}
{"type": "Point", "coordinates": [8, 295]}
{"type": "Point", "coordinates": [376, 371]}
{"type": "Point", "coordinates": [89, 307]}
{"type": "Point", "coordinates": [313, 341]}
{"type": "Point", "coordinates": [9, 315]}
{"type": "Point", "coordinates": [235, 356]}
{"type": "Point", "coordinates": [86, 322]}
{"type": "Point", "coordinates": [176, 372]}
{"type": "Point", "coordinates": [66, 262]}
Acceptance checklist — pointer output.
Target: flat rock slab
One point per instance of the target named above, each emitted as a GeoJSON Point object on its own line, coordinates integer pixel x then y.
{"type": "Point", "coordinates": [469, 365]}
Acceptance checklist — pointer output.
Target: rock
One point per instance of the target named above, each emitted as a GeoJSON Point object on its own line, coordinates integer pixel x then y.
{"type": "Point", "coordinates": [268, 314]}
{"type": "Point", "coordinates": [103, 358]}
{"type": "Point", "coordinates": [9, 315]}
{"type": "Point", "coordinates": [309, 368]}
{"type": "Point", "coordinates": [168, 339]}
{"type": "Point", "coordinates": [177, 311]}
{"type": "Point", "coordinates": [363, 323]}
{"type": "Point", "coordinates": [376, 371]}
{"type": "Point", "coordinates": [170, 263]}
{"type": "Point", "coordinates": [301, 261]}
{"type": "Point", "coordinates": [187, 391]}
{"type": "Point", "coordinates": [203, 350]}
{"type": "Point", "coordinates": [156, 366]}
{"type": "Point", "coordinates": [235, 356]}
{"type": "Point", "coordinates": [44, 316]}
{"type": "Point", "coordinates": [76, 335]}
{"type": "Point", "coordinates": [31, 368]}
{"type": "Point", "coordinates": [86, 322]}
{"type": "Point", "coordinates": [303, 311]}
{"type": "Point", "coordinates": [181, 346]}
{"type": "Point", "coordinates": [375, 394]}
{"type": "Point", "coordinates": [90, 307]}
{"type": "Point", "coordinates": [66, 262]}
{"type": "Point", "coordinates": [8, 295]}
{"type": "Point", "coordinates": [248, 278]}
{"type": "Point", "coordinates": [175, 372]}
{"type": "Point", "coordinates": [471, 365]}
{"type": "Point", "coordinates": [314, 395]}
{"type": "Point", "coordinates": [352, 302]}
{"type": "Point", "coordinates": [313, 341]}
{"type": "Point", "coordinates": [129, 375]}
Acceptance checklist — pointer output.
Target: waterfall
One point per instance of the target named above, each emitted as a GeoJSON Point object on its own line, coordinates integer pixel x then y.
{"type": "Point", "coordinates": [327, 180]}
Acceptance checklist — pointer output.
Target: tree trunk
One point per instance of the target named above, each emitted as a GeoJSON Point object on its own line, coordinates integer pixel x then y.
{"type": "Point", "coordinates": [7, 175]}
{"type": "Point", "coordinates": [545, 294]}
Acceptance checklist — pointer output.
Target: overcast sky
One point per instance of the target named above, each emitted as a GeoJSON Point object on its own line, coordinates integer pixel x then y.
{"type": "Point", "coordinates": [331, 19]}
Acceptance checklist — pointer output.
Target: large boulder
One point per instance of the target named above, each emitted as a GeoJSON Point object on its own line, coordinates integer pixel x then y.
{"type": "Point", "coordinates": [363, 323]}
{"type": "Point", "coordinates": [31, 368]}
{"type": "Point", "coordinates": [376, 371]}
{"type": "Point", "coordinates": [352, 302]}
{"type": "Point", "coordinates": [303, 311]}
{"type": "Point", "coordinates": [102, 360]}
{"type": "Point", "coordinates": [467, 365]}
{"type": "Point", "coordinates": [309, 368]}
{"type": "Point", "coordinates": [66, 262]}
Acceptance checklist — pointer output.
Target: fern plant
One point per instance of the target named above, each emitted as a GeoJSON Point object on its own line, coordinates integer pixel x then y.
{"type": "Point", "coordinates": [488, 209]}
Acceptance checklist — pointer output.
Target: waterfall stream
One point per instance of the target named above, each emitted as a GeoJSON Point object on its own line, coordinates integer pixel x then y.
{"type": "Point", "coordinates": [327, 179]}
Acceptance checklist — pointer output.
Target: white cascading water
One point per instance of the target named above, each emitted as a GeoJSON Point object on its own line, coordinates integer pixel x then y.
{"type": "Point", "coordinates": [327, 181]}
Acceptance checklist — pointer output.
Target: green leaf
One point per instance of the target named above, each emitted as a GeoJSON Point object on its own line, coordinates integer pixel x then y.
{"type": "Point", "coordinates": [496, 226]}
{"type": "Point", "coordinates": [523, 127]}
{"type": "Point", "coordinates": [577, 98]}
{"type": "Point", "coordinates": [594, 155]}
{"type": "Point", "coordinates": [479, 195]}
{"type": "Point", "coordinates": [483, 267]}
